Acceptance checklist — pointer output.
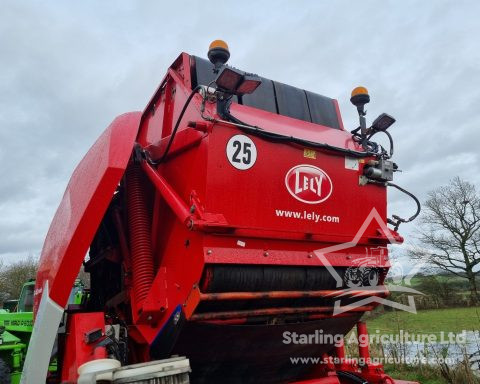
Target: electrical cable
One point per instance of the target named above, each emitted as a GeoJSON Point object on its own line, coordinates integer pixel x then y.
{"type": "Point", "coordinates": [255, 130]}
{"type": "Point", "coordinates": [397, 219]}
{"type": "Point", "coordinates": [373, 148]}
{"type": "Point", "coordinates": [276, 137]}
{"type": "Point", "coordinates": [390, 139]}
{"type": "Point", "coordinates": [175, 129]}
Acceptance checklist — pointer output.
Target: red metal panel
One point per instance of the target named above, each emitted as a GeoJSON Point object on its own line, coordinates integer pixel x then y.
{"type": "Point", "coordinates": [340, 120]}
{"type": "Point", "coordinates": [77, 352]}
{"type": "Point", "coordinates": [268, 214]}
{"type": "Point", "coordinates": [292, 127]}
{"type": "Point", "coordinates": [271, 311]}
{"type": "Point", "coordinates": [290, 254]}
{"type": "Point", "coordinates": [166, 103]}
{"type": "Point", "coordinates": [248, 199]}
{"type": "Point", "coordinates": [83, 205]}
{"type": "Point", "coordinates": [262, 198]}
{"type": "Point", "coordinates": [381, 291]}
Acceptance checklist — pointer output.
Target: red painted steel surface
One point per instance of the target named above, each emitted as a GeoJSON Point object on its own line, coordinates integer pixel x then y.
{"type": "Point", "coordinates": [371, 372]}
{"type": "Point", "coordinates": [250, 200]}
{"type": "Point", "coordinates": [254, 202]}
{"type": "Point", "coordinates": [204, 211]}
{"type": "Point", "coordinates": [261, 194]}
{"type": "Point", "coordinates": [270, 311]}
{"type": "Point", "coordinates": [139, 231]}
{"type": "Point", "coordinates": [84, 202]}
{"type": "Point", "coordinates": [77, 350]}
{"type": "Point", "coordinates": [288, 294]}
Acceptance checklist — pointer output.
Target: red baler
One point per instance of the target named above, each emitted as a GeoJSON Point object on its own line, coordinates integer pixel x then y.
{"type": "Point", "coordinates": [232, 211]}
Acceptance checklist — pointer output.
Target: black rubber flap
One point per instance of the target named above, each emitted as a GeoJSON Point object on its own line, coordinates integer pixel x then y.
{"type": "Point", "coordinates": [322, 110]}
{"type": "Point", "coordinates": [276, 97]}
{"type": "Point", "coordinates": [292, 101]}
{"type": "Point", "coordinates": [263, 97]}
{"type": "Point", "coordinates": [253, 353]}
{"type": "Point", "coordinates": [201, 71]}
{"type": "Point", "coordinates": [161, 347]}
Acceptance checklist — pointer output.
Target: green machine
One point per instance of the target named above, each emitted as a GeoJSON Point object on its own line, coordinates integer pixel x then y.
{"type": "Point", "coordinates": [16, 325]}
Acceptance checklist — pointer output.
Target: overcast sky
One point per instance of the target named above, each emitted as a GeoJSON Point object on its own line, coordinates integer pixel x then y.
{"type": "Point", "coordinates": [67, 68]}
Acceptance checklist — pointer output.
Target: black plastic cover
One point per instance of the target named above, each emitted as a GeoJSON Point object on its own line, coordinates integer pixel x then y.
{"type": "Point", "coordinates": [292, 101]}
{"type": "Point", "coordinates": [263, 97]}
{"type": "Point", "coordinates": [276, 97]}
{"type": "Point", "coordinates": [201, 71]}
{"type": "Point", "coordinates": [322, 110]}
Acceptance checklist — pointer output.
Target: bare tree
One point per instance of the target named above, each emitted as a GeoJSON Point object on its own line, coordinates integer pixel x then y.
{"type": "Point", "coordinates": [450, 234]}
{"type": "Point", "coordinates": [13, 276]}
{"type": "Point", "coordinates": [439, 289]}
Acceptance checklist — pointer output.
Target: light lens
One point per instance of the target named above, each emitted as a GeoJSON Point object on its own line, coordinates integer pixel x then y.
{"type": "Point", "coordinates": [383, 122]}
{"type": "Point", "coordinates": [218, 44]}
{"type": "Point", "coordinates": [229, 79]}
{"type": "Point", "coordinates": [248, 85]}
{"type": "Point", "coordinates": [359, 91]}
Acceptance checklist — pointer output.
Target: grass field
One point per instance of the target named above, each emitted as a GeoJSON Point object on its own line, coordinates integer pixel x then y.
{"type": "Point", "coordinates": [427, 321]}
{"type": "Point", "coordinates": [424, 375]}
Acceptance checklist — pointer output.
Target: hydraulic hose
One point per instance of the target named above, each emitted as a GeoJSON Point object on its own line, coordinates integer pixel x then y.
{"type": "Point", "coordinates": [177, 125]}
{"type": "Point", "coordinates": [139, 230]}
{"type": "Point", "coordinates": [398, 220]}
{"type": "Point", "coordinates": [279, 138]}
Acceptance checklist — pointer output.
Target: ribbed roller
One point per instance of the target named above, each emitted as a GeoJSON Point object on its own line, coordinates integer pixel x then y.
{"type": "Point", "coordinates": [139, 230]}
{"type": "Point", "coordinates": [259, 278]}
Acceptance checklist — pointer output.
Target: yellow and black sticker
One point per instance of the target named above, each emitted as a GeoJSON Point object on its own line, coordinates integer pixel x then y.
{"type": "Point", "coordinates": [309, 153]}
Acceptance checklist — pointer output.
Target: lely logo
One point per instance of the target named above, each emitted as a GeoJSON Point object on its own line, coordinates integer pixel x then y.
{"type": "Point", "coordinates": [308, 184]}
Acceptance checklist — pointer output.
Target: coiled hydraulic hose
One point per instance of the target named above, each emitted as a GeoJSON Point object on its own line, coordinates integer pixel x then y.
{"type": "Point", "coordinates": [139, 230]}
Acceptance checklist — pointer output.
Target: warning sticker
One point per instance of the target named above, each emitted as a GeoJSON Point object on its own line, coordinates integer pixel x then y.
{"type": "Point", "coordinates": [241, 152]}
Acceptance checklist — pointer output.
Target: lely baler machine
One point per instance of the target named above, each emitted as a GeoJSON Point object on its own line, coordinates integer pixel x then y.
{"type": "Point", "coordinates": [228, 214]}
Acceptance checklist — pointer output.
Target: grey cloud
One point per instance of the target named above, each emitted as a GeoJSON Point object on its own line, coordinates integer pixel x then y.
{"type": "Point", "coordinates": [67, 69]}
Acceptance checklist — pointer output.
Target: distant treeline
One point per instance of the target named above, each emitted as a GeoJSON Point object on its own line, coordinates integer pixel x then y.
{"type": "Point", "coordinates": [444, 290]}
{"type": "Point", "coordinates": [14, 275]}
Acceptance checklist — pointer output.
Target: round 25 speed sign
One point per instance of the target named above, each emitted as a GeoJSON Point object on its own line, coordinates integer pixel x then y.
{"type": "Point", "coordinates": [241, 152]}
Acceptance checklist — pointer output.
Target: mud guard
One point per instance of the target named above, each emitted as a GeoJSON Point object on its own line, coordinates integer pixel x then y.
{"type": "Point", "coordinates": [78, 216]}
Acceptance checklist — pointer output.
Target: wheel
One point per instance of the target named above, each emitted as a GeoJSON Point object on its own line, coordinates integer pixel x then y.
{"type": "Point", "coordinates": [353, 277]}
{"type": "Point", "coordinates": [370, 277]}
{"type": "Point", "coordinates": [4, 373]}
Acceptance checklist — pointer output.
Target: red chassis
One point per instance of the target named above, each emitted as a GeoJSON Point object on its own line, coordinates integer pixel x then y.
{"type": "Point", "coordinates": [189, 227]}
